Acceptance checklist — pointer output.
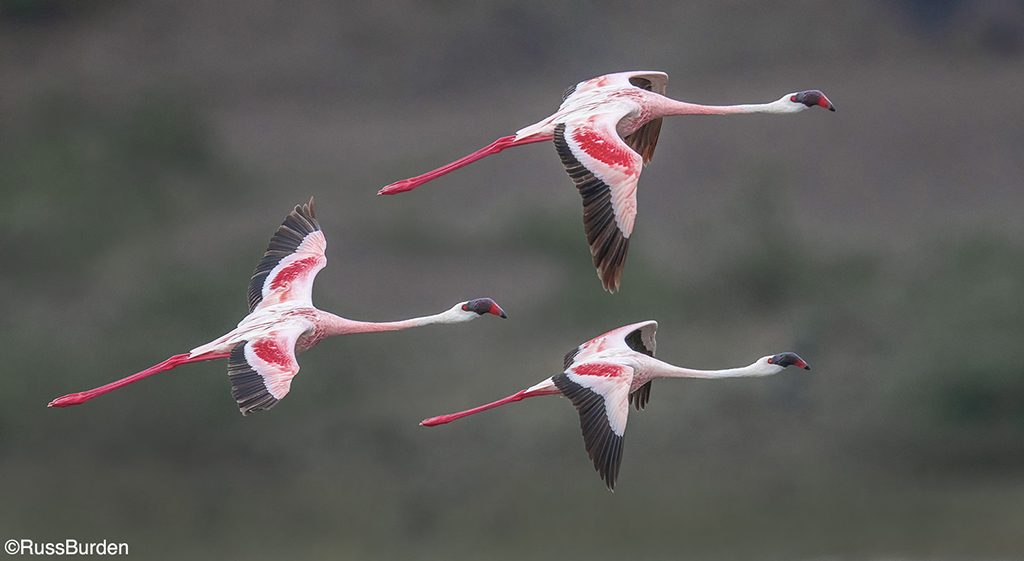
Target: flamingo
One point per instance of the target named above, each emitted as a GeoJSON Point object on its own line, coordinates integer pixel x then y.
{"type": "Point", "coordinates": [603, 376]}
{"type": "Point", "coordinates": [282, 321]}
{"type": "Point", "coordinates": [604, 132]}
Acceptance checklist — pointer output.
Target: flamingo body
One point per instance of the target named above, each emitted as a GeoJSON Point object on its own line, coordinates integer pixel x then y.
{"type": "Point", "coordinates": [282, 321]}
{"type": "Point", "coordinates": [604, 375]}
{"type": "Point", "coordinates": [604, 132]}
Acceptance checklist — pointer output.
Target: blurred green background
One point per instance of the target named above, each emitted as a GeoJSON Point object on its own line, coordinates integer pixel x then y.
{"type": "Point", "coordinates": [149, 149]}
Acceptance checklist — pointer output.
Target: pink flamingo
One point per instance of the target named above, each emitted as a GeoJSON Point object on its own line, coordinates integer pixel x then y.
{"type": "Point", "coordinates": [282, 321]}
{"type": "Point", "coordinates": [605, 131]}
{"type": "Point", "coordinates": [604, 375]}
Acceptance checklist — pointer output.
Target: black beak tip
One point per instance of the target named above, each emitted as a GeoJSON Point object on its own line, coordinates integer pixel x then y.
{"type": "Point", "coordinates": [832, 108]}
{"type": "Point", "coordinates": [503, 315]}
{"type": "Point", "coordinates": [807, 367]}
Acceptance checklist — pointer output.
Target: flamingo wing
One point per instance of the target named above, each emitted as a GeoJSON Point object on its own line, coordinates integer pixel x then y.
{"type": "Point", "coordinates": [642, 341]}
{"type": "Point", "coordinates": [650, 80]}
{"type": "Point", "coordinates": [641, 396]}
{"type": "Point", "coordinates": [605, 170]}
{"type": "Point", "coordinates": [292, 260]}
{"type": "Point", "coordinates": [639, 337]}
{"type": "Point", "coordinates": [261, 369]}
{"type": "Point", "coordinates": [645, 138]}
{"type": "Point", "coordinates": [600, 393]}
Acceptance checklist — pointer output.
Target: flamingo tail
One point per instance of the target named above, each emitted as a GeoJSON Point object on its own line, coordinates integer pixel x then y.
{"type": "Point", "coordinates": [492, 148]}
{"type": "Point", "coordinates": [171, 363]}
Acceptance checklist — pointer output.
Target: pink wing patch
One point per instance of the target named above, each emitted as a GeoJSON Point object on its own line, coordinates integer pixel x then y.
{"type": "Point", "coordinates": [596, 144]}
{"type": "Point", "coordinates": [261, 369]}
{"type": "Point", "coordinates": [599, 369]}
{"type": "Point", "coordinates": [273, 358]}
{"type": "Point", "coordinates": [292, 279]}
{"type": "Point", "coordinates": [605, 150]}
{"type": "Point", "coordinates": [294, 271]}
{"type": "Point", "coordinates": [271, 352]}
{"type": "Point", "coordinates": [611, 382]}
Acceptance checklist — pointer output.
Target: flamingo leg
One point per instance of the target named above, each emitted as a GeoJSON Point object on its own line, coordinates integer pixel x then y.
{"type": "Point", "coordinates": [170, 363]}
{"type": "Point", "coordinates": [492, 148]}
{"type": "Point", "coordinates": [518, 396]}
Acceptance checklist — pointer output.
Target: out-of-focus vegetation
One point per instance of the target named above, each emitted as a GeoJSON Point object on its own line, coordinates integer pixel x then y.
{"type": "Point", "coordinates": [147, 151]}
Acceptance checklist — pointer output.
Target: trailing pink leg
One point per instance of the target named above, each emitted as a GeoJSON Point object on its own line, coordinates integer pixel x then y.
{"type": "Point", "coordinates": [492, 148]}
{"type": "Point", "coordinates": [173, 362]}
{"type": "Point", "coordinates": [518, 396]}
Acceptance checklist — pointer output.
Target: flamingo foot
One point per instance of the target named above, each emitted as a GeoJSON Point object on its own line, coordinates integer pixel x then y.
{"type": "Point", "coordinates": [70, 399]}
{"type": "Point", "coordinates": [401, 186]}
{"type": "Point", "coordinates": [434, 421]}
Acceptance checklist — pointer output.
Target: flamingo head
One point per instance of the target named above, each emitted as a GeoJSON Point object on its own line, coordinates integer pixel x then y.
{"type": "Point", "coordinates": [782, 360]}
{"type": "Point", "coordinates": [473, 309]}
{"type": "Point", "coordinates": [800, 101]}
{"type": "Point", "coordinates": [773, 364]}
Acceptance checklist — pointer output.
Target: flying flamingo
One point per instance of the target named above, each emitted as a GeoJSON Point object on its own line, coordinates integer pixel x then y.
{"type": "Point", "coordinates": [605, 131]}
{"type": "Point", "coordinates": [282, 321]}
{"type": "Point", "coordinates": [604, 375]}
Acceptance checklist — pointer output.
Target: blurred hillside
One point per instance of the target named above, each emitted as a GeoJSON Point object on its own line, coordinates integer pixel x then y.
{"type": "Point", "coordinates": [148, 150]}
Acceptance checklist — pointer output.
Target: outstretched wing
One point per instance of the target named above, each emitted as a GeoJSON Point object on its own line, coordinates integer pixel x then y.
{"type": "Point", "coordinates": [293, 258]}
{"type": "Point", "coordinates": [605, 170]}
{"type": "Point", "coordinates": [261, 370]}
{"type": "Point", "coordinates": [639, 337]}
{"type": "Point", "coordinates": [600, 393]}
{"type": "Point", "coordinates": [651, 80]}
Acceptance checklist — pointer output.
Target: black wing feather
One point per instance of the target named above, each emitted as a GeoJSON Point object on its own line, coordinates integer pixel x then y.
{"type": "Point", "coordinates": [569, 91]}
{"type": "Point", "coordinates": [642, 395]}
{"type": "Point", "coordinates": [608, 245]}
{"type": "Point", "coordinates": [645, 138]}
{"type": "Point", "coordinates": [603, 446]}
{"type": "Point", "coordinates": [296, 226]}
{"type": "Point", "coordinates": [569, 358]}
{"type": "Point", "coordinates": [247, 385]}
{"type": "Point", "coordinates": [635, 341]}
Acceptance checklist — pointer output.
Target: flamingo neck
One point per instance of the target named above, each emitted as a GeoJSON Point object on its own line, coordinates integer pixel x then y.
{"type": "Point", "coordinates": [669, 107]}
{"type": "Point", "coordinates": [336, 325]}
{"type": "Point", "coordinates": [665, 370]}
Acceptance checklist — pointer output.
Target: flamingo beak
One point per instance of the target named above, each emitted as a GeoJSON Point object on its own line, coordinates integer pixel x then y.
{"type": "Point", "coordinates": [802, 364]}
{"type": "Point", "coordinates": [482, 306]}
{"type": "Point", "coordinates": [824, 102]}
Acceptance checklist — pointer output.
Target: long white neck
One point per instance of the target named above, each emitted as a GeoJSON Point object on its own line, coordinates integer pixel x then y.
{"type": "Point", "coordinates": [336, 325]}
{"type": "Point", "coordinates": [661, 369]}
{"type": "Point", "coordinates": [667, 107]}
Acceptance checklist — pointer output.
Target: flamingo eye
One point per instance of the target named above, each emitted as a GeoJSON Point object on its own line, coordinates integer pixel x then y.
{"type": "Point", "coordinates": [465, 307]}
{"type": "Point", "coordinates": [770, 360]}
{"type": "Point", "coordinates": [793, 99]}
